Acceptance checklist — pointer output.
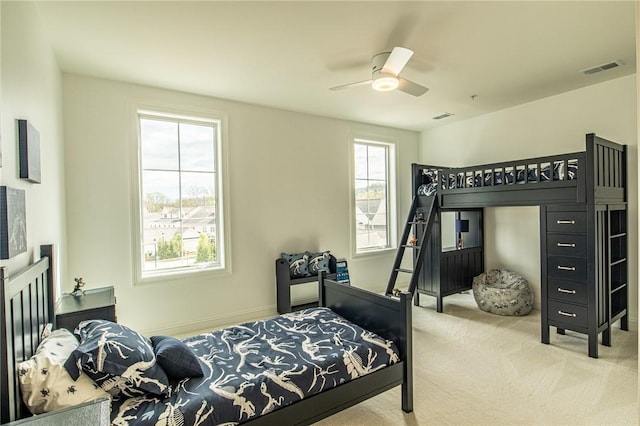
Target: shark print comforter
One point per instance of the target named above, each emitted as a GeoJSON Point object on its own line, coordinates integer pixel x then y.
{"type": "Point", "coordinates": [254, 368]}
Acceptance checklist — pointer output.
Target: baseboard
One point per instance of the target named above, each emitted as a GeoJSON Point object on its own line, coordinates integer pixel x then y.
{"type": "Point", "coordinates": [303, 300]}
{"type": "Point", "coordinates": [192, 328]}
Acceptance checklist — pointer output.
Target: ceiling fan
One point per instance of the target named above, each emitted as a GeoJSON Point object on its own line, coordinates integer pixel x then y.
{"type": "Point", "coordinates": [385, 77]}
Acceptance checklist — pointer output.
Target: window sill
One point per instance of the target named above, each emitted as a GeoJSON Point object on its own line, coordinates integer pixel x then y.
{"type": "Point", "coordinates": [373, 253]}
{"type": "Point", "coordinates": [182, 274]}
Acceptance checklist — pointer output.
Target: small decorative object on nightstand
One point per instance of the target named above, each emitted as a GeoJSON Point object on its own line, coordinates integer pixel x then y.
{"type": "Point", "coordinates": [77, 290]}
{"type": "Point", "coordinates": [98, 303]}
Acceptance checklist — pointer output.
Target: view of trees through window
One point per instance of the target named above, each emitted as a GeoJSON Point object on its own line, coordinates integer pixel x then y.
{"type": "Point", "coordinates": [371, 196]}
{"type": "Point", "coordinates": [179, 200]}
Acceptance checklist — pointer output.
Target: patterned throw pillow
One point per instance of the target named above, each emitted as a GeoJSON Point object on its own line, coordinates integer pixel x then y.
{"type": "Point", "coordinates": [318, 262]}
{"type": "Point", "coordinates": [298, 264]}
{"type": "Point", "coordinates": [117, 358]}
{"type": "Point", "coordinates": [176, 358]}
{"type": "Point", "coordinates": [45, 384]}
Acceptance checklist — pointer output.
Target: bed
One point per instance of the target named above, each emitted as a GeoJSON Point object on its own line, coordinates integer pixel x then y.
{"type": "Point", "coordinates": [28, 305]}
{"type": "Point", "coordinates": [582, 198]}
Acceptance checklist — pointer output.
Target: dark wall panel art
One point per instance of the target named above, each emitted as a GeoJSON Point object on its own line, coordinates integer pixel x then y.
{"type": "Point", "coordinates": [29, 141]}
{"type": "Point", "coordinates": [13, 222]}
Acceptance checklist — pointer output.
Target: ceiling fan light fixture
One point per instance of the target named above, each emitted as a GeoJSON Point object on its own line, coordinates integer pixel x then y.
{"type": "Point", "coordinates": [385, 74]}
{"type": "Point", "coordinates": [385, 83]}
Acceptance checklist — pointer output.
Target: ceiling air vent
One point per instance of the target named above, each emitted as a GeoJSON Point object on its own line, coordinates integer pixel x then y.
{"type": "Point", "coordinates": [441, 116]}
{"type": "Point", "coordinates": [603, 67]}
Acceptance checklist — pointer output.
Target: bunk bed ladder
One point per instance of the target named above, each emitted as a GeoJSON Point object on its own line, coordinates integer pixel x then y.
{"type": "Point", "coordinates": [424, 216]}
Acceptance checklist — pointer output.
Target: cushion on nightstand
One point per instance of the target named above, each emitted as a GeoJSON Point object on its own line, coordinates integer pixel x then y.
{"type": "Point", "coordinates": [46, 385]}
{"type": "Point", "coordinates": [298, 264]}
{"type": "Point", "coordinates": [318, 262]}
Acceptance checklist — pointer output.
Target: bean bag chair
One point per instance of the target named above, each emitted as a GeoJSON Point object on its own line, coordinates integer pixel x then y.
{"type": "Point", "coordinates": [502, 292]}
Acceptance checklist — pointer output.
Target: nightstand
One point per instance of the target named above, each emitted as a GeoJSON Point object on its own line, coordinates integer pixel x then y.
{"type": "Point", "coordinates": [97, 303]}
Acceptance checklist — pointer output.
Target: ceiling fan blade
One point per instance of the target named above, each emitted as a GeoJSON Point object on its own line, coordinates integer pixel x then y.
{"type": "Point", "coordinates": [411, 88]}
{"type": "Point", "coordinates": [397, 60]}
{"type": "Point", "coordinates": [350, 85]}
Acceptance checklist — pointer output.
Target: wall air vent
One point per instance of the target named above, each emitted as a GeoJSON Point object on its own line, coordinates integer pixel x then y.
{"type": "Point", "coordinates": [441, 116]}
{"type": "Point", "coordinates": [603, 67]}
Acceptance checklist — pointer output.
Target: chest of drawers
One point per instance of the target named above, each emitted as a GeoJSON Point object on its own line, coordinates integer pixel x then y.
{"type": "Point", "coordinates": [566, 273]}
{"type": "Point", "coordinates": [583, 249]}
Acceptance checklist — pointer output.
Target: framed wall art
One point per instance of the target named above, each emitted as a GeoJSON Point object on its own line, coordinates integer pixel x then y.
{"type": "Point", "coordinates": [29, 146]}
{"type": "Point", "coordinates": [13, 222]}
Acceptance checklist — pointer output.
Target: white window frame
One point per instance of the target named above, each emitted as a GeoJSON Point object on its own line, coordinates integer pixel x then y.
{"type": "Point", "coordinates": [391, 187]}
{"type": "Point", "coordinates": [223, 246]}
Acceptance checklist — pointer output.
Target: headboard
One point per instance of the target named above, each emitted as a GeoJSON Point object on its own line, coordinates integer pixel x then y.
{"type": "Point", "coordinates": [27, 304]}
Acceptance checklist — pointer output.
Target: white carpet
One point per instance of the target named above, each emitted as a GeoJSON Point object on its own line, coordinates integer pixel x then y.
{"type": "Point", "coordinates": [476, 368]}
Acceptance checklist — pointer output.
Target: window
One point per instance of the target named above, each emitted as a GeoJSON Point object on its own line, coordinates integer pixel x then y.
{"type": "Point", "coordinates": [374, 211]}
{"type": "Point", "coordinates": [181, 223]}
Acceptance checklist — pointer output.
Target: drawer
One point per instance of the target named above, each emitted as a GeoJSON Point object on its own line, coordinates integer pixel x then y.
{"type": "Point", "coordinates": [567, 268]}
{"type": "Point", "coordinates": [71, 320]}
{"type": "Point", "coordinates": [574, 245]}
{"type": "Point", "coordinates": [567, 291]}
{"type": "Point", "coordinates": [567, 314]}
{"type": "Point", "coordinates": [570, 222]}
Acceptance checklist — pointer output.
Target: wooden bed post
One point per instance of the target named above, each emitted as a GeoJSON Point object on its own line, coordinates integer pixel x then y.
{"type": "Point", "coordinates": [46, 250]}
{"type": "Point", "coordinates": [407, 385]}
{"type": "Point", "coordinates": [321, 300]}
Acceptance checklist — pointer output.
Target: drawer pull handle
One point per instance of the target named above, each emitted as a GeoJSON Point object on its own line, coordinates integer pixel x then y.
{"type": "Point", "coordinates": [567, 314]}
{"type": "Point", "coordinates": [564, 290]}
{"type": "Point", "coordinates": [567, 268]}
{"type": "Point", "coordinates": [572, 245]}
{"type": "Point", "coordinates": [566, 222]}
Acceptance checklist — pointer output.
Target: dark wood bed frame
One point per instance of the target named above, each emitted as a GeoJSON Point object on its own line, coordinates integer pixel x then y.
{"type": "Point", "coordinates": [28, 304]}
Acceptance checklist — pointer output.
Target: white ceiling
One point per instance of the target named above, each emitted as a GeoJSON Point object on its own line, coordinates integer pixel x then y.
{"type": "Point", "coordinates": [287, 54]}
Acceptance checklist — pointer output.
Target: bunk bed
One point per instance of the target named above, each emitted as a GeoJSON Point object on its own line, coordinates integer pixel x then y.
{"type": "Point", "coordinates": [27, 305]}
{"type": "Point", "coordinates": [583, 232]}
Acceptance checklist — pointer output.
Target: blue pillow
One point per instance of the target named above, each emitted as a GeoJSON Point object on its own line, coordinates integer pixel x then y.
{"type": "Point", "coordinates": [298, 264]}
{"type": "Point", "coordinates": [176, 358]}
{"type": "Point", "coordinates": [118, 359]}
{"type": "Point", "coordinates": [318, 262]}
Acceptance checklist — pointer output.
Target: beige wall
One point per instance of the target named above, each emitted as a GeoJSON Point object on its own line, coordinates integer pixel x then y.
{"type": "Point", "coordinates": [553, 125]}
{"type": "Point", "coordinates": [32, 89]}
{"type": "Point", "coordinates": [289, 191]}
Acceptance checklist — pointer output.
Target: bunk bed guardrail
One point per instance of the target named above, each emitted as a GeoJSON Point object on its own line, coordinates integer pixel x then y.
{"type": "Point", "coordinates": [541, 180]}
{"type": "Point", "coordinates": [556, 179]}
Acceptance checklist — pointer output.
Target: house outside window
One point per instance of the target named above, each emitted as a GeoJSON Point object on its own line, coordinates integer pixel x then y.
{"type": "Point", "coordinates": [181, 226]}
{"type": "Point", "coordinates": [374, 183]}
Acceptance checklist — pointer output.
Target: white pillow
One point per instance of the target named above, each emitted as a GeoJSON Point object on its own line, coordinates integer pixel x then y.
{"type": "Point", "coordinates": [45, 383]}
